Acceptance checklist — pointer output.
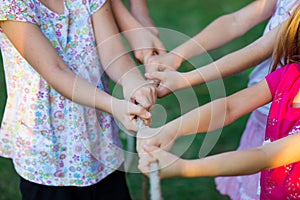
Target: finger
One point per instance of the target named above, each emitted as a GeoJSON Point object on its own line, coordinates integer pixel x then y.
{"type": "Point", "coordinates": [151, 94]}
{"type": "Point", "coordinates": [139, 55]}
{"type": "Point", "coordinates": [147, 56]}
{"type": "Point", "coordinates": [139, 146]}
{"type": "Point", "coordinates": [144, 166]}
{"type": "Point", "coordinates": [154, 97]}
{"type": "Point", "coordinates": [140, 112]}
{"type": "Point", "coordinates": [146, 159]}
{"type": "Point", "coordinates": [143, 100]}
{"type": "Point", "coordinates": [146, 96]}
{"type": "Point", "coordinates": [150, 148]}
{"type": "Point", "coordinates": [147, 122]}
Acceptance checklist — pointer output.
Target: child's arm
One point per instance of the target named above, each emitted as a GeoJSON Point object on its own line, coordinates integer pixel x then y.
{"type": "Point", "coordinates": [230, 64]}
{"type": "Point", "coordinates": [244, 162]}
{"type": "Point", "coordinates": [219, 32]}
{"type": "Point", "coordinates": [142, 41]}
{"type": "Point", "coordinates": [208, 117]}
{"type": "Point", "coordinates": [116, 61]}
{"type": "Point", "coordinates": [39, 52]}
{"type": "Point", "coordinates": [140, 10]}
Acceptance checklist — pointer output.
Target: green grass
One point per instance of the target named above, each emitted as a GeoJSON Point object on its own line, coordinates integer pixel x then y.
{"type": "Point", "coordinates": [188, 18]}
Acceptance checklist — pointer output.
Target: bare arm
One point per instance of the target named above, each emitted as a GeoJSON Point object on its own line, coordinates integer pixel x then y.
{"type": "Point", "coordinates": [142, 41]}
{"type": "Point", "coordinates": [236, 62]}
{"type": "Point", "coordinates": [211, 116]}
{"type": "Point", "coordinates": [228, 65]}
{"type": "Point", "coordinates": [234, 163]}
{"type": "Point", "coordinates": [224, 111]}
{"type": "Point", "coordinates": [270, 155]}
{"type": "Point", "coordinates": [114, 57]}
{"type": "Point", "coordinates": [227, 28]}
{"type": "Point", "coordinates": [219, 32]}
{"type": "Point", "coordinates": [39, 52]}
{"type": "Point", "coordinates": [208, 117]}
{"type": "Point", "coordinates": [117, 62]}
{"type": "Point", "coordinates": [140, 10]}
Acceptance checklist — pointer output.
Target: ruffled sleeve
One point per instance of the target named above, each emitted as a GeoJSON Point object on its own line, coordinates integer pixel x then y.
{"type": "Point", "coordinates": [95, 5]}
{"type": "Point", "coordinates": [17, 10]}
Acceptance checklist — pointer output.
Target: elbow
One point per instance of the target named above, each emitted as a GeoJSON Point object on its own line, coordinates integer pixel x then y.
{"type": "Point", "coordinates": [229, 110]}
{"type": "Point", "coordinates": [265, 161]}
{"type": "Point", "coordinates": [53, 72]}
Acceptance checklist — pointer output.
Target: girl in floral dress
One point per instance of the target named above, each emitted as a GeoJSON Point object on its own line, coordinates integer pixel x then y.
{"type": "Point", "coordinates": [58, 127]}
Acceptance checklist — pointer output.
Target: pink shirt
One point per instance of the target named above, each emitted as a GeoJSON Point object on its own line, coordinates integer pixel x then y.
{"type": "Point", "coordinates": [283, 120]}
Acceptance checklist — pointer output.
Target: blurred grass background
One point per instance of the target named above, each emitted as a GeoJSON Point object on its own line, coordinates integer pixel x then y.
{"type": "Point", "coordinates": [188, 18]}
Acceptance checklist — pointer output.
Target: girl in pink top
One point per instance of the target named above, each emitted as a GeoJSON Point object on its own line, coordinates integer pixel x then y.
{"type": "Point", "coordinates": [278, 158]}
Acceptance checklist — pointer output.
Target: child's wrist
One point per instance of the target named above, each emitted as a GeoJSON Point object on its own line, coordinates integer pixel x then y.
{"type": "Point", "coordinates": [112, 105]}
{"type": "Point", "coordinates": [184, 168]}
{"type": "Point", "coordinates": [194, 77]}
{"type": "Point", "coordinates": [132, 76]}
{"type": "Point", "coordinates": [177, 59]}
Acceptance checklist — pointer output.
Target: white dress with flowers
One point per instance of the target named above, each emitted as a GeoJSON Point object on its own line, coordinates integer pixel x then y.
{"type": "Point", "coordinates": [52, 140]}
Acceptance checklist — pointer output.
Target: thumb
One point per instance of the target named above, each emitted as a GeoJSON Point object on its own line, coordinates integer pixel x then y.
{"type": "Point", "coordinates": [139, 55]}
{"type": "Point", "coordinates": [162, 91]}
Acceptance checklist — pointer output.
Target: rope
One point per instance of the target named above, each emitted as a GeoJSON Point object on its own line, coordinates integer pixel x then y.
{"type": "Point", "coordinates": [155, 191]}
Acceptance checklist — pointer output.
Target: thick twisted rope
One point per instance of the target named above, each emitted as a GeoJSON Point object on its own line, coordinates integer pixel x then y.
{"type": "Point", "coordinates": [155, 191]}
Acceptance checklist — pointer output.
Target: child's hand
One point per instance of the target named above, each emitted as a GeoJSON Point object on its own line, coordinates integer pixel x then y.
{"type": "Point", "coordinates": [140, 92]}
{"type": "Point", "coordinates": [144, 44]}
{"type": "Point", "coordinates": [126, 113]}
{"type": "Point", "coordinates": [161, 137]}
{"type": "Point", "coordinates": [169, 81]}
{"type": "Point", "coordinates": [169, 61]}
{"type": "Point", "coordinates": [169, 164]}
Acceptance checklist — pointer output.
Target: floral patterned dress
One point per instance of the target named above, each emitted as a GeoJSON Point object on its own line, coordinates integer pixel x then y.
{"type": "Point", "coordinates": [52, 140]}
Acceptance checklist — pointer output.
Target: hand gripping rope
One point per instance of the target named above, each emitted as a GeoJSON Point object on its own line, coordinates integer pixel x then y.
{"type": "Point", "coordinates": [155, 192]}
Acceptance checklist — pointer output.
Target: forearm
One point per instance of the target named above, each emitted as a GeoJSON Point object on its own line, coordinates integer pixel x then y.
{"type": "Point", "coordinates": [206, 118]}
{"type": "Point", "coordinates": [221, 112]}
{"type": "Point", "coordinates": [226, 164]}
{"type": "Point", "coordinates": [41, 55]}
{"type": "Point", "coordinates": [216, 34]}
{"type": "Point", "coordinates": [139, 7]}
{"type": "Point", "coordinates": [271, 155]}
{"type": "Point", "coordinates": [79, 90]}
{"type": "Point", "coordinates": [115, 59]}
{"type": "Point", "coordinates": [237, 61]}
{"type": "Point", "coordinates": [140, 11]}
{"type": "Point", "coordinates": [123, 17]}
{"type": "Point", "coordinates": [227, 28]}
{"type": "Point", "coordinates": [118, 64]}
